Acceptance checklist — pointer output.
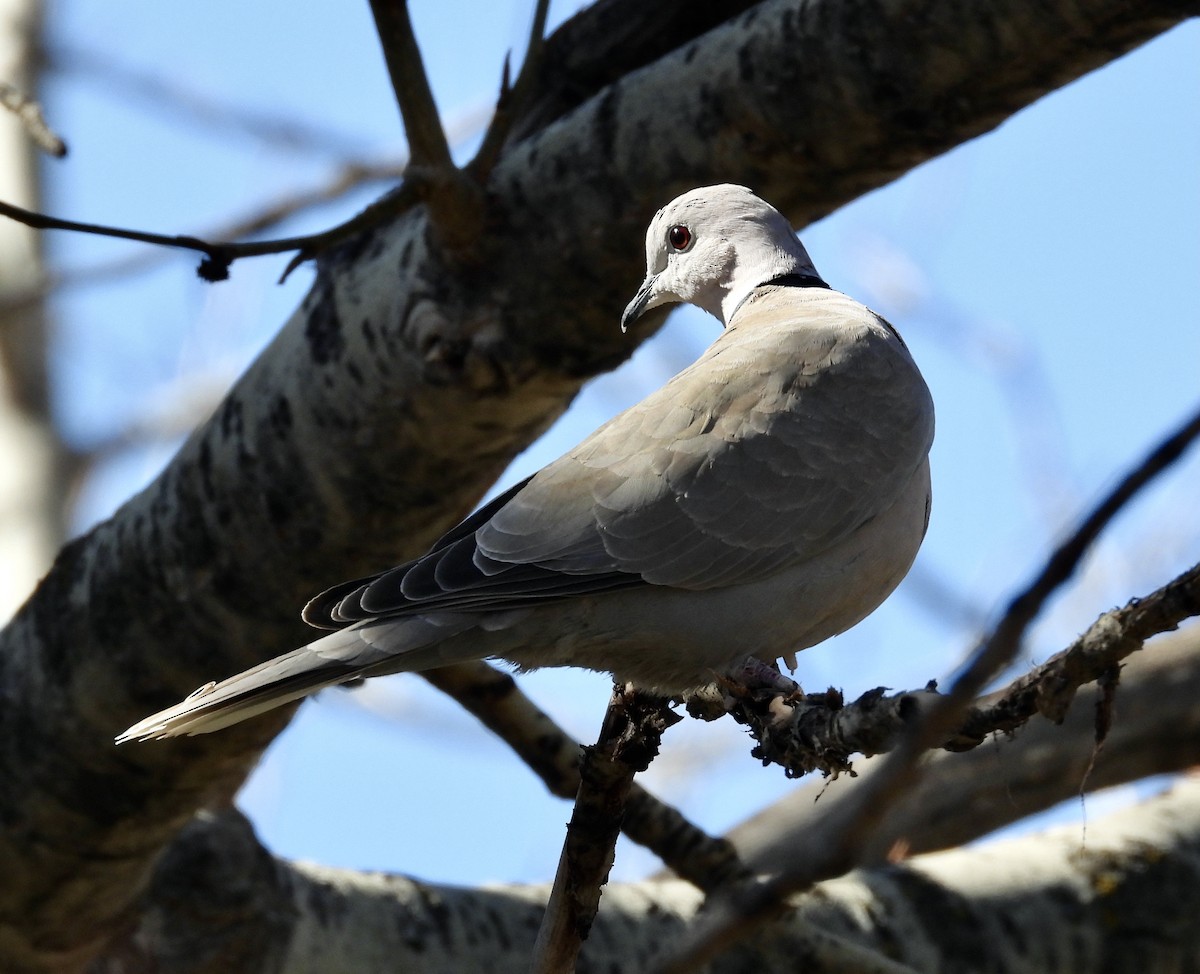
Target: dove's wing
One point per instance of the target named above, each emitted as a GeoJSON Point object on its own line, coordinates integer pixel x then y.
{"type": "Point", "coordinates": [797, 426]}
{"type": "Point", "coordinates": [801, 423]}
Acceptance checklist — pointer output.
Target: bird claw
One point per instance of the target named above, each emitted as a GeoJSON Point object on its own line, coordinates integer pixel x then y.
{"type": "Point", "coordinates": [757, 675]}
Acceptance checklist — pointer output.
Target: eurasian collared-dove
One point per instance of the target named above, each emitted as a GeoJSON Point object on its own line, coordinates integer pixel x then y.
{"type": "Point", "coordinates": [766, 498]}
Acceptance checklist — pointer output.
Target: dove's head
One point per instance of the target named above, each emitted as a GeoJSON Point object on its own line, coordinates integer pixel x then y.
{"type": "Point", "coordinates": [711, 247]}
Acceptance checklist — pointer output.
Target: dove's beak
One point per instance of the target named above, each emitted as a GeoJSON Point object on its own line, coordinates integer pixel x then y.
{"type": "Point", "coordinates": [645, 299]}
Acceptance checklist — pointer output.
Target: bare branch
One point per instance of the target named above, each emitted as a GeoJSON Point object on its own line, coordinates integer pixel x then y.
{"type": "Point", "coordinates": [511, 101]}
{"type": "Point", "coordinates": [1050, 688]}
{"type": "Point", "coordinates": [965, 795]}
{"type": "Point", "coordinates": [220, 255]}
{"type": "Point", "coordinates": [427, 145]}
{"type": "Point", "coordinates": [819, 732]}
{"type": "Point", "coordinates": [629, 740]}
{"type": "Point", "coordinates": [29, 112]}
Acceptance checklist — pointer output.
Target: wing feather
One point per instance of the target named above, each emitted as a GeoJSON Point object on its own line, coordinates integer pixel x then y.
{"type": "Point", "coordinates": [798, 425]}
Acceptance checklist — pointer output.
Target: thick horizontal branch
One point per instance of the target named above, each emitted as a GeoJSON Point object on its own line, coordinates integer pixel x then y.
{"type": "Point", "coordinates": [1121, 902]}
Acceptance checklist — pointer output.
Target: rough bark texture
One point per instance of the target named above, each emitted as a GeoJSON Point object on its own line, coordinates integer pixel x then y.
{"type": "Point", "coordinates": [404, 384]}
{"type": "Point", "coordinates": [1116, 900]}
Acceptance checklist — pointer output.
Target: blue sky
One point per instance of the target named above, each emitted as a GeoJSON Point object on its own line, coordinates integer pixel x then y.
{"type": "Point", "coordinates": [1046, 276]}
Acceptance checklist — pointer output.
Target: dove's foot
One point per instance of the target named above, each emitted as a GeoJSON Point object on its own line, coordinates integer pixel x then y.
{"type": "Point", "coordinates": [754, 674]}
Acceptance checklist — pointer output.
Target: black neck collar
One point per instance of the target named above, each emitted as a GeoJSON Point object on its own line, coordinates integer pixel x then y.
{"type": "Point", "coordinates": [795, 280]}
{"type": "Point", "coordinates": [785, 280]}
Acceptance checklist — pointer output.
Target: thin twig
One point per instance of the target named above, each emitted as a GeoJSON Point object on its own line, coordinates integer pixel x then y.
{"type": "Point", "coordinates": [344, 180]}
{"type": "Point", "coordinates": [427, 143]}
{"type": "Point", "coordinates": [456, 203]}
{"type": "Point", "coordinates": [629, 740]}
{"type": "Point", "coordinates": [30, 113]}
{"type": "Point", "coordinates": [1049, 688]}
{"type": "Point", "coordinates": [511, 101]}
{"type": "Point", "coordinates": [220, 255]}
{"type": "Point", "coordinates": [829, 848]}
{"type": "Point", "coordinates": [257, 221]}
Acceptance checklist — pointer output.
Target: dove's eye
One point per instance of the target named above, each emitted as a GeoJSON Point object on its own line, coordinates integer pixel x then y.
{"type": "Point", "coordinates": [679, 237]}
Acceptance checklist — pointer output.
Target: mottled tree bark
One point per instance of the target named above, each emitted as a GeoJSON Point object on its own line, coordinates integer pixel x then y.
{"type": "Point", "coordinates": [1116, 900]}
{"type": "Point", "coordinates": [408, 378]}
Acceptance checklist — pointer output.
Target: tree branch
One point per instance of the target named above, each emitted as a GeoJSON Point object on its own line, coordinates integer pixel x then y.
{"type": "Point", "coordinates": [819, 732]}
{"type": "Point", "coordinates": [427, 145]}
{"type": "Point", "coordinates": [629, 740]}
{"type": "Point", "coordinates": [1050, 688]}
{"type": "Point", "coordinates": [218, 256]}
{"type": "Point", "coordinates": [511, 101]}
{"type": "Point", "coordinates": [965, 795]}
{"type": "Point", "coordinates": [1121, 903]}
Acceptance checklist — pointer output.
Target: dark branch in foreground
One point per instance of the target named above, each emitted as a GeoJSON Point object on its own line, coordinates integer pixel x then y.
{"type": "Point", "coordinates": [820, 732]}
{"type": "Point", "coordinates": [218, 256]}
{"type": "Point", "coordinates": [629, 740]}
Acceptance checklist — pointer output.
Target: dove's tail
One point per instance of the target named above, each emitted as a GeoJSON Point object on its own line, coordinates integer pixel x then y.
{"type": "Point", "coordinates": [333, 659]}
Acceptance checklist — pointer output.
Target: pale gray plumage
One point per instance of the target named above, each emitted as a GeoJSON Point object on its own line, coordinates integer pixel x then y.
{"type": "Point", "coordinates": [766, 498]}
